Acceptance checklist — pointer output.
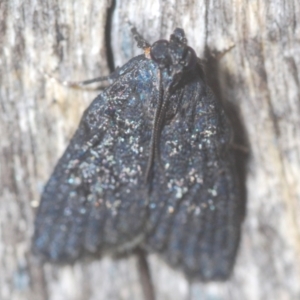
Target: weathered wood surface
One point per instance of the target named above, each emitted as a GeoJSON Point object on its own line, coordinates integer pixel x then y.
{"type": "Point", "coordinates": [259, 78]}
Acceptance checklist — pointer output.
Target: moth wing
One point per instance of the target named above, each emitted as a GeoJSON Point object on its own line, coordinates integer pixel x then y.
{"type": "Point", "coordinates": [95, 199]}
{"type": "Point", "coordinates": [196, 207]}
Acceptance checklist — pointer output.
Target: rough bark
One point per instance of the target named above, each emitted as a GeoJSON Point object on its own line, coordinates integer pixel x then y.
{"type": "Point", "coordinates": [258, 80]}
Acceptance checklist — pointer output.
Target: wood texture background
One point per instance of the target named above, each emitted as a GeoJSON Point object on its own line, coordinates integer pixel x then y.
{"type": "Point", "coordinates": [259, 79]}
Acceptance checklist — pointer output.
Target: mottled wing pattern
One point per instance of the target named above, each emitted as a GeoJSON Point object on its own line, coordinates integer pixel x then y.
{"type": "Point", "coordinates": [96, 199]}
{"type": "Point", "coordinates": [195, 206]}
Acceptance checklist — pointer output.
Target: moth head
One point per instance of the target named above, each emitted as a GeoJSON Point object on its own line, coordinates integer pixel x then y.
{"type": "Point", "coordinates": [174, 56]}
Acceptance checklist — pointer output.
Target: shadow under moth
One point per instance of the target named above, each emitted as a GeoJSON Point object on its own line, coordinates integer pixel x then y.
{"type": "Point", "coordinates": [150, 166]}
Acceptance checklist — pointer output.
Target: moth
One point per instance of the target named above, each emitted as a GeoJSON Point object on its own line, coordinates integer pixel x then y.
{"type": "Point", "coordinates": [150, 166]}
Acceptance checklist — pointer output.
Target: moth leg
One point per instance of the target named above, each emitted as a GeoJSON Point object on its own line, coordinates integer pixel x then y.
{"type": "Point", "coordinates": [145, 274]}
{"type": "Point", "coordinates": [218, 54]}
{"type": "Point", "coordinates": [82, 85]}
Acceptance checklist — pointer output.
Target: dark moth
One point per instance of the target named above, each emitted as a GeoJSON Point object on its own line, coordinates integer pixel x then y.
{"type": "Point", "coordinates": [150, 166]}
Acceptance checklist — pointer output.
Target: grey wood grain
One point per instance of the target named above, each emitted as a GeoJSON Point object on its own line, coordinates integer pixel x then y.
{"type": "Point", "coordinates": [258, 79]}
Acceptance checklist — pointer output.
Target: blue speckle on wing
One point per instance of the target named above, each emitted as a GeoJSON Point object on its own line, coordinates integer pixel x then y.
{"type": "Point", "coordinates": [144, 81]}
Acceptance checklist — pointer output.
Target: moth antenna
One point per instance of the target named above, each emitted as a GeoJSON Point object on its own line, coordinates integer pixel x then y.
{"type": "Point", "coordinates": [141, 42]}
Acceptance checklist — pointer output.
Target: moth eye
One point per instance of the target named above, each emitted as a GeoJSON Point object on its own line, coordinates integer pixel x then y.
{"type": "Point", "coordinates": [160, 53]}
